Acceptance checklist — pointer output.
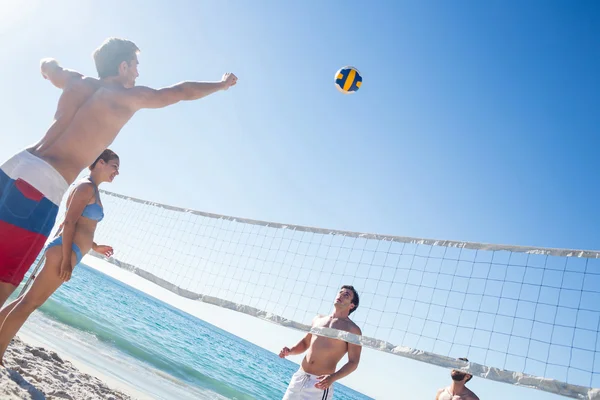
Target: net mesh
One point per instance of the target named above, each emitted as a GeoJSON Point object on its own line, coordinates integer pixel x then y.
{"type": "Point", "coordinates": [526, 316]}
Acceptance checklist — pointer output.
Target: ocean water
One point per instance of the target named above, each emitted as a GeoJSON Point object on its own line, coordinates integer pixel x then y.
{"type": "Point", "coordinates": [155, 348]}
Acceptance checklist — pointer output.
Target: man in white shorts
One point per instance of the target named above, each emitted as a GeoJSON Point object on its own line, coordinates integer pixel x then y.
{"type": "Point", "coordinates": [317, 373]}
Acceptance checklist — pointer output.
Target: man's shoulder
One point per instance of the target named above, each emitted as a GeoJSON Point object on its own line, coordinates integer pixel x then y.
{"type": "Point", "coordinates": [84, 84]}
{"type": "Point", "coordinates": [353, 327]}
{"type": "Point", "coordinates": [347, 325]}
{"type": "Point", "coordinates": [439, 393]}
{"type": "Point", "coordinates": [116, 94]}
{"type": "Point", "coordinates": [471, 395]}
{"type": "Point", "coordinates": [131, 96]}
{"type": "Point", "coordinates": [86, 80]}
{"type": "Point", "coordinates": [90, 80]}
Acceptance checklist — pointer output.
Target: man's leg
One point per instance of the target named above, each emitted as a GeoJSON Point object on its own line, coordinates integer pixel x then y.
{"type": "Point", "coordinates": [44, 285]}
{"type": "Point", "coordinates": [8, 308]}
{"type": "Point", "coordinates": [19, 249]}
{"type": "Point", "coordinates": [6, 289]}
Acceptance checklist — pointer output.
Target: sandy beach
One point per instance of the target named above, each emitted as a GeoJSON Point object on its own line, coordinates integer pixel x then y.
{"type": "Point", "coordinates": [37, 373]}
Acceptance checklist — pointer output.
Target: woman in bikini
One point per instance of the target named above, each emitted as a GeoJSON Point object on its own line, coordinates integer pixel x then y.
{"type": "Point", "coordinates": [75, 238]}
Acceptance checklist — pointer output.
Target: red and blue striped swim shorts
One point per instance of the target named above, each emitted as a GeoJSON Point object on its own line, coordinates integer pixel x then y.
{"type": "Point", "coordinates": [31, 191]}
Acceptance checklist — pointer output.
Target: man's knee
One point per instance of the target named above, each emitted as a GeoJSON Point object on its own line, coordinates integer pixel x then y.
{"type": "Point", "coordinates": [6, 287]}
{"type": "Point", "coordinates": [29, 304]}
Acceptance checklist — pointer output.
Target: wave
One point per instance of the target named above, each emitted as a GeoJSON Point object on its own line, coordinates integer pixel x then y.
{"type": "Point", "coordinates": [107, 333]}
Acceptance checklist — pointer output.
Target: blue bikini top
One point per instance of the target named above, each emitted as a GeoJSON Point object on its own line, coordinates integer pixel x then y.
{"type": "Point", "coordinates": [94, 211]}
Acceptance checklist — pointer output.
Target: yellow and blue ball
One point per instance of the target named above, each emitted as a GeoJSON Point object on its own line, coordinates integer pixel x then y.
{"type": "Point", "coordinates": [348, 80]}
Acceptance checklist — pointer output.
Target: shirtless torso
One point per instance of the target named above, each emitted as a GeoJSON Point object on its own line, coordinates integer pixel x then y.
{"type": "Point", "coordinates": [465, 394]}
{"type": "Point", "coordinates": [91, 113]}
{"type": "Point", "coordinates": [324, 353]}
{"type": "Point", "coordinates": [317, 373]}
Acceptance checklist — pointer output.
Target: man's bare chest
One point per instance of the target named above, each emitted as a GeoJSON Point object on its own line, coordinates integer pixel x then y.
{"type": "Point", "coordinates": [333, 323]}
{"type": "Point", "coordinates": [446, 395]}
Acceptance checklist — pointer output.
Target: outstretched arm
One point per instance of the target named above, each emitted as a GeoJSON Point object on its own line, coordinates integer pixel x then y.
{"type": "Point", "coordinates": [144, 97]}
{"type": "Point", "coordinates": [56, 74]}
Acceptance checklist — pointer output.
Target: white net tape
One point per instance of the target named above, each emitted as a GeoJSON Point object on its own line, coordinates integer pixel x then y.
{"type": "Point", "coordinates": [523, 315]}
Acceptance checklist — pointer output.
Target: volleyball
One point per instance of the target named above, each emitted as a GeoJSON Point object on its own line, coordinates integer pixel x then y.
{"type": "Point", "coordinates": [348, 80]}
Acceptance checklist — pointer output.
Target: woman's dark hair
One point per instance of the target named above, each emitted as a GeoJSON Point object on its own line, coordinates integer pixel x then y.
{"type": "Point", "coordinates": [106, 156]}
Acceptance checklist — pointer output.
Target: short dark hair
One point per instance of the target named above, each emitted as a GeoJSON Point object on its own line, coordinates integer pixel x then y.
{"type": "Point", "coordinates": [355, 298]}
{"type": "Point", "coordinates": [111, 54]}
{"type": "Point", "coordinates": [106, 156]}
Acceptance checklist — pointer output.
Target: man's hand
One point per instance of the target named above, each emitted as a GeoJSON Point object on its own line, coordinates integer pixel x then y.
{"type": "Point", "coordinates": [284, 352]}
{"type": "Point", "coordinates": [47, 65]}
{"type": "Point", "coordinates": [228, 80]}
{"type": "Point", "coordinates": [56, 74]}
{"type": "Point", "coordinates": [104, 250]}
{"type": "Point", "coordinates": [66, 269]}
{"type": "Point", "coordinates": [324, 381]}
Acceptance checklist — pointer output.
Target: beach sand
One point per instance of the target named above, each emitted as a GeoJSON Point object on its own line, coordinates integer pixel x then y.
{"type": "Point", "coordinates": [37, 373]}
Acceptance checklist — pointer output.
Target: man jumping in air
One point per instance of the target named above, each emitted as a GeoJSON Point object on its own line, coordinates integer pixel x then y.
{"type": "Point", "coordinates": [317, 373]}
{"type": "Point", "coordinates": [90, 114]}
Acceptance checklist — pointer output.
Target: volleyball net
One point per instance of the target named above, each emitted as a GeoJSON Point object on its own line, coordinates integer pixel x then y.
{"type": "Point", "coordinates": [521, 315]}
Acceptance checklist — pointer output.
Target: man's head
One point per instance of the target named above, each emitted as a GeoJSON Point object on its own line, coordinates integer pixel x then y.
{"type": "Point", "coordinates": [117, 58]}
{"type": "Point", "coordinates": [347, 298]}
{"type": "Point", "coordinates": [460, 376]}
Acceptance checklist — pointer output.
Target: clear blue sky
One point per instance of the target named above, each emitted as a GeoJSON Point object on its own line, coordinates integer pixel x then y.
{"type": "Point", "coordinates": [475, 121]}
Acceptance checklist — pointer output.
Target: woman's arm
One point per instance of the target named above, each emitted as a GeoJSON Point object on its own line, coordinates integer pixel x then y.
{"type": "Point", "coordinates": [81, 196]}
